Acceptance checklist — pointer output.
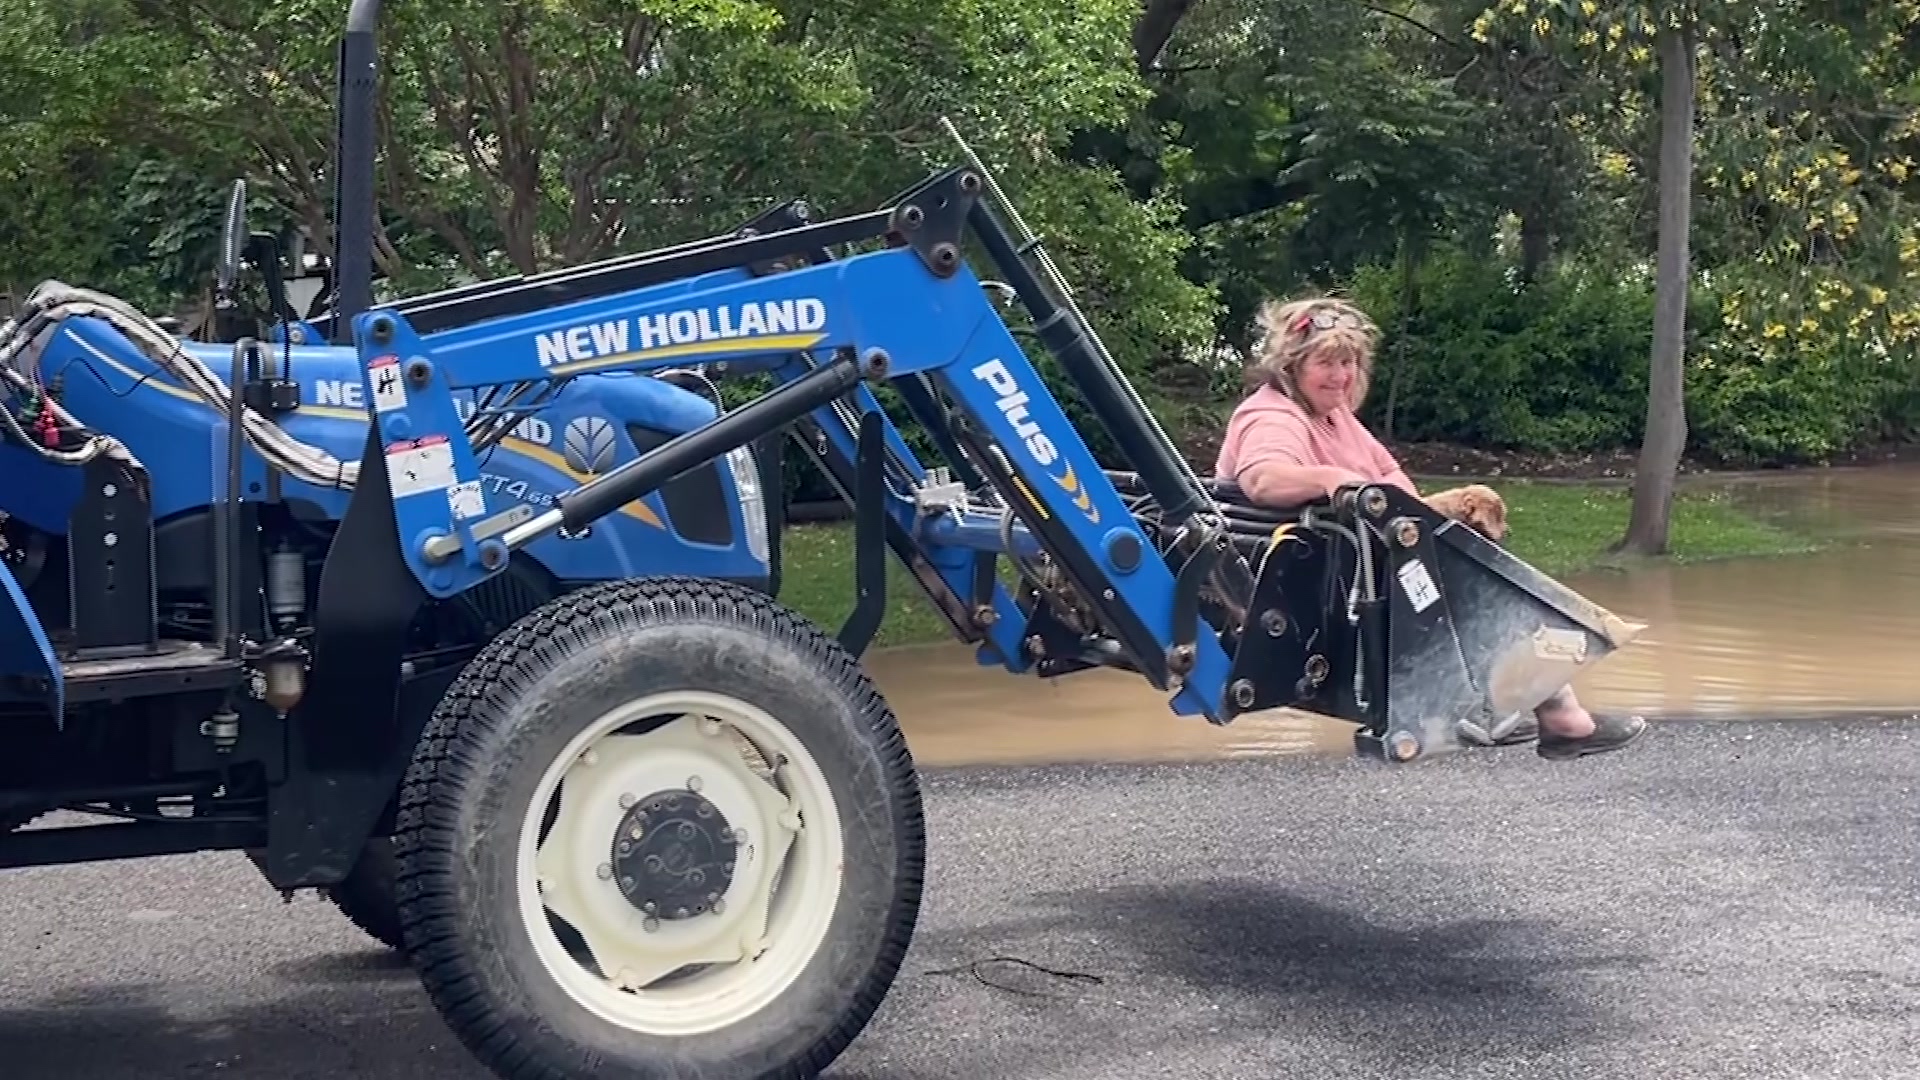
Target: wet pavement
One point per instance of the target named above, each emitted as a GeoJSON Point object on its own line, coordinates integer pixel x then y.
{"type": "Point", "coordinates": [1731, 901]}
{"type": "Point", "coordinates": [1801, 636]}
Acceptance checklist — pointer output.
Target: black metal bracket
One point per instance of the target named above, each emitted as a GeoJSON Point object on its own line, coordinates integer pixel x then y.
{"type": "Point", "coordinates": [933, 219]}
{"type": "Point", "coordinates": [1187, 587]}
{"type": "Point", "coordinates": [869, 537]}
{"type": "Point", "coordinates": [1054, 647]}
{"type": "Point", "coordinates": [1281, 657]}
{"type": "Point", "coordinates": [110, 573]}
{"type": "Point", "coordinates": [1424, 679]}
{"type": "Point", "coordinates": [839, 469]}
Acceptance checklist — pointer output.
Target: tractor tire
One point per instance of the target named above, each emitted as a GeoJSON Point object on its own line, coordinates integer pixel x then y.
{"type": "Point", "coordinates": [366, 895]}
{"type": "Point", "coordinates": [680, 908]}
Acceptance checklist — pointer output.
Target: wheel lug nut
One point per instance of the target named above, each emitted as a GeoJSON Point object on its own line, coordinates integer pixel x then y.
{"type": "Point", "coordinates": [627, 801]}
{"type": "Point", "coordinates": [626, 884]}
{"type": "Point", "coordinates": [686, 830]}
{"type": "Point", "coordinates": [719, 907]}
{"type": "Point", "coordinates": [650, 907]}
{"type": "Point", "coordinates": [654, 864]}
{"type": "Point", "coordinates": [625, 848]}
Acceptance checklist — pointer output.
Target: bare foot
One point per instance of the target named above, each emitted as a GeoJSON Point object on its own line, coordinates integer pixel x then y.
{"type": "Point", "coordinates": [1564, 716]}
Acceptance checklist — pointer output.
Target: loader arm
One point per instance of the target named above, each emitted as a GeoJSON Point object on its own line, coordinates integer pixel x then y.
{"type": "Point", "coordinates": [1170, 595]}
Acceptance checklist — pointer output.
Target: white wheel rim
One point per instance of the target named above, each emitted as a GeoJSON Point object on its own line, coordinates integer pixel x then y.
{"type": "Point", "coordinates": [773, 914]}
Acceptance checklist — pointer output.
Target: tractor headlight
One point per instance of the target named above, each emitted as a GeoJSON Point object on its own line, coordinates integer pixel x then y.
{"type": "Point", "coordinates": [753, 505]}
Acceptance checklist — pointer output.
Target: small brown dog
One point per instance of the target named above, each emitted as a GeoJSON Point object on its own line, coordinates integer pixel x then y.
{"type": "Point", "coordinates": [1477, 506]}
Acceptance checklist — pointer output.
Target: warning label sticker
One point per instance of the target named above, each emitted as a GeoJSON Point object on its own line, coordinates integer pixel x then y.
{"type": "Point", "coordinates": [466, 500]}
{"type": "Point", "coordinates": [1418, 585]}
{"type": "Point", "coordinates": [420, 465]}
{"type": "Point", "coordinates": [389, 389]}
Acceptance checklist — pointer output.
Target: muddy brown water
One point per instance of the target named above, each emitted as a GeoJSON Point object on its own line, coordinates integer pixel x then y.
{"type": "Point", "coordinates": [1804, 636]}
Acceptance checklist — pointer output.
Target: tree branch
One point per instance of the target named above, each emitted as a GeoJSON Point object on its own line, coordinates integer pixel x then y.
{"type": "Point", "coordinates": [1413, 22]}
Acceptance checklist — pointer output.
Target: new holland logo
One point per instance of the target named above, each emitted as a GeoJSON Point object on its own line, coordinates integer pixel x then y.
{"type": "Point", "coordinates": [1012, 402]}
{"type": "Point", "coordinates": [780, 325]}
{"type": "Point", "coordinates": [588, 444]}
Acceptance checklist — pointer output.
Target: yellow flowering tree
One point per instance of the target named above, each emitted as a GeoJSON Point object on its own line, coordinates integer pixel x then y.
{"type": "Point", "coordinates": [1784, 137]}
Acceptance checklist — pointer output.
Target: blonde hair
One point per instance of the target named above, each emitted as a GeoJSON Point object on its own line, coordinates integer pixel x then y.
{"type": "Point", "coordinates": [1291, 331]}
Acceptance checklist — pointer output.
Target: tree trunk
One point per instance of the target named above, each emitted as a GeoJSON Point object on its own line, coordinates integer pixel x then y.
{"type": "Point", "coordinates": [1536, 245]}
{"type": "Point", "coordinates": [1666, 432]}
{"type": "Point", "coordinates": [1153, 28]}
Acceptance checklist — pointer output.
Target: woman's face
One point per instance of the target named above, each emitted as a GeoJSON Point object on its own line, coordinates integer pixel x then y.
{"type": "Point", "coordinates": [1326, 379]}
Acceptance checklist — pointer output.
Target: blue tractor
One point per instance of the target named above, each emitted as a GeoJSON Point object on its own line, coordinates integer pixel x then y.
{"type": "Point", "coordinates": [164, 399]}
{"type": "Point", "coordinates": [472, 618]}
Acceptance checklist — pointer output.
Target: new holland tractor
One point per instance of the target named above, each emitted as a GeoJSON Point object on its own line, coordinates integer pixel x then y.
{"type": "Point", "coordinates": [466, 589]}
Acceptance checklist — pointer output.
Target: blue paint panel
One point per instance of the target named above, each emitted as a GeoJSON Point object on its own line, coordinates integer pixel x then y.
{"type": "Point", "coordinates": [26, 656]}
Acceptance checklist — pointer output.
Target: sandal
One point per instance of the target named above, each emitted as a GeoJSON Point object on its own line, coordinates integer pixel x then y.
{"type": "Point", "coordinates": [1609, 733]}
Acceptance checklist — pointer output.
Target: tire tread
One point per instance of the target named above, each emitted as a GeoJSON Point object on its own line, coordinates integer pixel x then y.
{"type": "Point", "coordinates": [467, 720]}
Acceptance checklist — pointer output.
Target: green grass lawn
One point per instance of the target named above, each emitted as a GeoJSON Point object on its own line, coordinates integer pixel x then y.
{"type": "Point", "coordinates": [1564, 528]}
{"type": "Point", "coordinates": [1559, 528]}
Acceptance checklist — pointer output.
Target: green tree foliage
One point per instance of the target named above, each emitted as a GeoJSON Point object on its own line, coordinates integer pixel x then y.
{"type": "Point", "coordinates": [1485, 176]}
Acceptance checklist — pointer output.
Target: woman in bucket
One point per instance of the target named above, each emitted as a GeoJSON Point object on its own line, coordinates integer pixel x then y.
{"type": "Point", "coordinates": [1295, 438]}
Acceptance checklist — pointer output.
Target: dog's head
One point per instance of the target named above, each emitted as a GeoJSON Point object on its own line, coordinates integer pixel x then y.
{"type": "Point", "coordinates": [1484, 511]}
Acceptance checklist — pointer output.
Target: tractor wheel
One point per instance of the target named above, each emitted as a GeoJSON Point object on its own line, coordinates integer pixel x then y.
{"type": "Point", "coordinates": [660, 828]}
{"type": "Point", "coordinates": [365, 896]}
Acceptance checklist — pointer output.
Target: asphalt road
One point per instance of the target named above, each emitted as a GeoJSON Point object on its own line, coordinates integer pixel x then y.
{"type": "Point", "coordinates": [1729, 900]}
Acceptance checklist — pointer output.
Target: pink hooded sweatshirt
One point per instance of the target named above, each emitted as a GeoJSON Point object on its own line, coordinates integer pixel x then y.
{"type": "Point", "coordinates": [1270, 429]}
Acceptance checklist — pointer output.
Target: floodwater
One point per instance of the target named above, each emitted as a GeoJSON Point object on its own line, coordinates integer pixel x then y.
{"type": "Point", "coordinates": [1833, 632]}
{"type": "Point", "coordinates": [1803, 636]}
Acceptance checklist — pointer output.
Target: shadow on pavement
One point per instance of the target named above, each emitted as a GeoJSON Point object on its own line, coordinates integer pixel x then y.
{"type": "Point", "coordinates": [358, 1014]}
{"type": "Point", "coordinates": [1236, 970]}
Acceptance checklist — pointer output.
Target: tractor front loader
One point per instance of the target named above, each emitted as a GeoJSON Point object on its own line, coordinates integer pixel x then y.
{"type": "Point", "coordinates": [642, 820]}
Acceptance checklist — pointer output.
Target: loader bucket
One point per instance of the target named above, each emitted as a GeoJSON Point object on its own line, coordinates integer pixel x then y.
{"type": "Point", "coordinates": [1374, 608]}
